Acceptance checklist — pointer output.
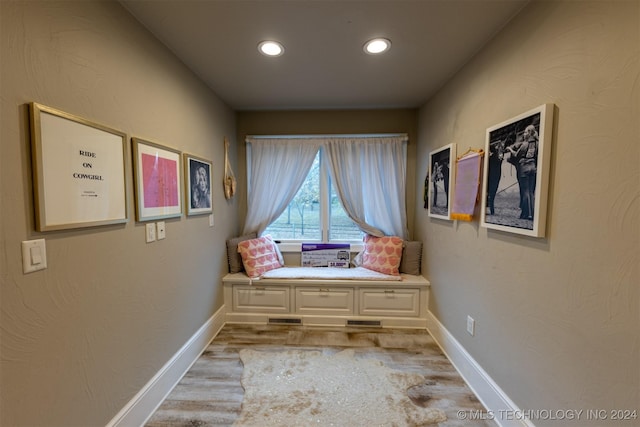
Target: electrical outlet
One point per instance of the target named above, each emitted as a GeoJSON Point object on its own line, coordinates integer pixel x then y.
{"type": "Point", "coordinates": [150, 229]}
{"type": "Point", "coordinates": [471, 326]}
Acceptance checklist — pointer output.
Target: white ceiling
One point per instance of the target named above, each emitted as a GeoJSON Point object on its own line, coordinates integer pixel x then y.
{"type": "Point", "coordinates": [324, 66]}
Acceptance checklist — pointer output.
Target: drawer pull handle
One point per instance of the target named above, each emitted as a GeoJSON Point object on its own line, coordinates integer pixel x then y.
{"type": "Point", "coordinates": [260, 289]}
{"type": "Point", "coordinates": [391, 291]}
{"type": "Point", "coordinates": [324, 290]}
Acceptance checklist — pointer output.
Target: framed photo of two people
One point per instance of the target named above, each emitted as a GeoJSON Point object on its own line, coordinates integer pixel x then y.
{"type": "Point", "coordinates": [516, 173]}
{"type": "Point", "coordinates": [440, 178]}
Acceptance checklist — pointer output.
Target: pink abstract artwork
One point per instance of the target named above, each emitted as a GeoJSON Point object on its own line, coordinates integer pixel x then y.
{"type": "Point", "coordinates": [160, 177]}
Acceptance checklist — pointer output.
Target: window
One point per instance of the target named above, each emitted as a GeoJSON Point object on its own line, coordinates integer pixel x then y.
{"type": "Point", "coordinates": [315, 213]}
{"type": "Point", "coordinates": [341, 227]}
{"type": "Point", "coordinates": [290, 194]}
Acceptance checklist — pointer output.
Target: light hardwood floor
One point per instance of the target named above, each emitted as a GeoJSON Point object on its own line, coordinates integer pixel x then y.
{"type": "Point", "coordinates": [210, 394]}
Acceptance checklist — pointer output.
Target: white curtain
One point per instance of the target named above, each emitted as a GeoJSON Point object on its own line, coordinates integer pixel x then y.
{"type": "Point", "coordinates": [278, 169]}
{"type": "Point", "coordinates": [369, 175]}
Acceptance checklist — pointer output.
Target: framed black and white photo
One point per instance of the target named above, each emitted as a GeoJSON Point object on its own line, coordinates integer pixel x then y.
{"type": "Point", "coordinates": [158, 181]}
{"type": "Point", "coordinates": [516, 173]}
{"type": "Point", "coordinates": [198, 185]}
{"type": "Point", "coordinates": [78, 171]}
{"type": "Point", "coordinates": [440, 181]}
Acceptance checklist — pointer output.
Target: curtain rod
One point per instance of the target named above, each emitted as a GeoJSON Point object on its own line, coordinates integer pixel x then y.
{"type": "Point", "coordinates": [311, 136]}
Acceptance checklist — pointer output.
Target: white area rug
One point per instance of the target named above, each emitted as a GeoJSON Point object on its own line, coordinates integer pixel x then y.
{"type": "Point", "coordinates": [305, 388]}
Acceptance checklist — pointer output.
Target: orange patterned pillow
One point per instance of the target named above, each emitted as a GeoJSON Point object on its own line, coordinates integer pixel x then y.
{"type": "Point", "coordinates": [259, 256]}
{"type": "Point", "coordinates": [382, 254]}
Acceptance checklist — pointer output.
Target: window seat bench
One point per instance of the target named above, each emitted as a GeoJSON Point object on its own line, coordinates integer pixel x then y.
{"type": "Point", "coordinates": [326, 301]}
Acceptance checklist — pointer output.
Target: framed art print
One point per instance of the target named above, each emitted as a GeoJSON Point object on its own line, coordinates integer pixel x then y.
{"type": "Point", "coordinates": [78, 171]}
{"type": "Point", "coordinates": [516, 173]}
{"type": "Point", "coordinates": [440, 181]}
{"type": "Point", "coordinates": [197, 185]}
{"type": "Point", "coordinates": [157, 181]}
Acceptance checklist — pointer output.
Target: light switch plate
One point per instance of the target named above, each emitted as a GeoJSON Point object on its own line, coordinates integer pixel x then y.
{"type": "Point", "coordinates": [161, 234]}
{"type": "Point", "coordinates": [211, 220]}
{"type": "Point", "coordinates": [150, 229]}
{"type": "Point", "coordinates": [34, 255]}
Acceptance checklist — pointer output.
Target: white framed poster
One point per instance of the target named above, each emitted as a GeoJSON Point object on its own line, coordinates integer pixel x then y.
{"type": "Point", "coordinates": [78, 170]}
{"type": "Point", "coordinates": [516, 173]}
{"type": "Point", "coordinates": [441, 180]}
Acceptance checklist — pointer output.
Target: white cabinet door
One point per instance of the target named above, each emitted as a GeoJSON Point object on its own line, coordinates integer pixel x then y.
{"type": "Point", "coordinates": [389, 302]}
{"type": "Point", "coordinates": [272, 299]}
{"type": "Point", "coordinates": [324, 300]}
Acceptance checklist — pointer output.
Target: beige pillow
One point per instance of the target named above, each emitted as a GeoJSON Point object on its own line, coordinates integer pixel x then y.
{"type": "Point", "coordinates": [234, 258]}
{"type": "Point", "coordinates": [411, 258]}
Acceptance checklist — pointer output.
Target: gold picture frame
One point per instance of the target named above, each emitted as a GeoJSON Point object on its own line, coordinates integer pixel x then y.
{"type": "Point", "coordinates": [79, 176]}
{"type": "Point", "coordinates": [158, 185]}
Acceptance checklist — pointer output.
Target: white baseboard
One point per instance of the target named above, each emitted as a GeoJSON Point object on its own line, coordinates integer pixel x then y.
{"type": "Point", "coordinates": [499, 407]}
{"type": "Point", "coordinates": [146, 401]}
{"type": "Point", "coordinates": [327, 320]}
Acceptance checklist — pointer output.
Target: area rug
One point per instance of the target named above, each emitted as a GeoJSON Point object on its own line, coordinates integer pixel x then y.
{"type": "Point", "coordinates": [304, 388]}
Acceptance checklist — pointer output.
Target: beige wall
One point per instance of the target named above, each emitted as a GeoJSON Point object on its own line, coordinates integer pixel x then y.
{"type": "Point", "coordinates": [330, 122]}
{"type": "Point", "coordinates": [80, 338]}
{"type": "Point", "coordinates": [557, 319]}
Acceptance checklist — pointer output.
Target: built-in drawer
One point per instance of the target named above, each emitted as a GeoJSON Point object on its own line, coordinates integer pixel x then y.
{"type": "Point", "coordinates": [389, 302]}
{"type": "Point", "coordinates": [324, 300]}
{"type": "Point", "coordinates": [269, 299]}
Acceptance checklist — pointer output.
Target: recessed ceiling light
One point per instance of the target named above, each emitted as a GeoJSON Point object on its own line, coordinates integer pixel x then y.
{"type": "Point", "coordinates": [377, 46]}
{"type": "Point", "coordinates": [270, 48]}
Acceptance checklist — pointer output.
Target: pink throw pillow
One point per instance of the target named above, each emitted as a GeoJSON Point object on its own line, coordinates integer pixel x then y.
{"type": "Point", "coordinates": [382, 254]}
{"type": "Point", "coordinates": [259, 256]}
